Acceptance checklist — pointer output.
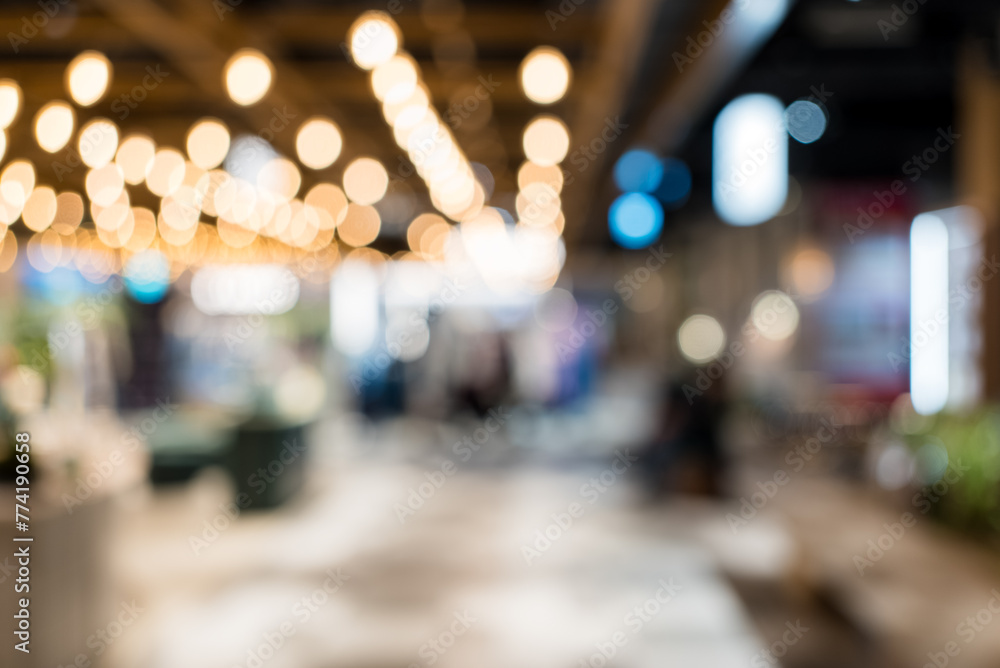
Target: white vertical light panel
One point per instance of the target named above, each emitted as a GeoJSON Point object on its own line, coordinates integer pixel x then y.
{"type": "Point", "coordinates": [928, 314]}
{"type": "Point", "coordinates": [750, 160]}
{"type": "Point", "coordinates": [354, 308]}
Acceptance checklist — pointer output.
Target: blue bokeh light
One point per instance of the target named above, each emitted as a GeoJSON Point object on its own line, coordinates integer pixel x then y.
{"type": "Point", "coordinates": [60, 286]}
{"type": "Point", "coordinates": [805, 121]}
{"type": "Point", "coordinates": [635, 220]}
{"type": "Point", "coordinates": [147, 276]}
{"type": "Point", "coordinates": [638, 170]}
{"type": "Point", "coordinates": [675, 186]}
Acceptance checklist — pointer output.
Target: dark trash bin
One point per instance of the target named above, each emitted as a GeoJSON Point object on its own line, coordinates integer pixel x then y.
{"type": "Point", "coordinates": [267, 461]}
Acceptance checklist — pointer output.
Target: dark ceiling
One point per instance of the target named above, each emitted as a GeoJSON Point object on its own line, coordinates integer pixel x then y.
{"type": "Point", "coordinates": [889, 95]}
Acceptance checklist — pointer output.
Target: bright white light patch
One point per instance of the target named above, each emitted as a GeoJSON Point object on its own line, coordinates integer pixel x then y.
{"type": "Point", "coordinates": [701, 339]}
{"type": "Point", "coordinates": [545, 75]}
{"type": "Point", "coordinates": [248, 76]}
{"type": "Point", "coordinates": [374, 39]}
{"type": "Point", "coordinates": [299, 394]}
{"type": "Point", "coordinates": [87, 77]}
{"type": "Point", "coordinates": [407, 336]}
{"type": "Point", "coordinates": [750, 160]}
{"type": "Point", "coordinates": [247, 156]}
{"type": "Point", "coordinates": [775, 315]}
{"type": "Point", "coordinates": [243, 289]}
{"type": "Point", "coordinates": [928, 314]}
{"type": "Point", "coordinates": [354, 308]}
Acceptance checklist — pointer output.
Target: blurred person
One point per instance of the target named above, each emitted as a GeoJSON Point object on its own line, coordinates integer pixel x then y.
{"type": "Point", "coordinates": [686, 455]}
{"type": "Point", "coordinates": [484, 374]}
{"type": "Point", "coordinates": [385, 394]}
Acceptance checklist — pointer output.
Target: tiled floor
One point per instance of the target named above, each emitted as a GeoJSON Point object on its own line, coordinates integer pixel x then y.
{"type": "Point", "coordinates": [449, 587]}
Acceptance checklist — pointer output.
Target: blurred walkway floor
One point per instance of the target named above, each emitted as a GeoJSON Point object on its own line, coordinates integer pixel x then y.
{"type": "Point", "coordinates": [336, 579]}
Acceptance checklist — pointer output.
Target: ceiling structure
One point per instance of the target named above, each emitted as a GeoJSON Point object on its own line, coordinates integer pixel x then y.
{"type": "Point", "coordinates": [624, 77]}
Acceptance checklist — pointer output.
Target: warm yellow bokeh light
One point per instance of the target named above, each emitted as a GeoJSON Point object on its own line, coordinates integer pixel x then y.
{"type": "Point", "coordinates": [172, 235]}
{"type": "Point", "coordinates": [233, 234]}
{"type": "Point", "coordinates": [420, 123]}
{"type": "Point", "coordinates": [396, 79]}
{"type": "Point", "coordinates": [8, 251]}
{"type": "Point", "coordinates": [17, 181]}
{"type": "Point", "coordinates": [123, 227]}
{"type": "Point", "coordinates": [193, 174]}
{"type": "Point", "coordinates": [180, 210]}
{"type": "Point", "coordinates": [376, 259]}
{"type": "Point", "coordinates": [281, 178]}
{"type": "Point", "coordinates": [365, 181]}
{"type": "Point", "coordinates": [104, 185]}
{"type": "Point", "coordinates": [278, 222]}
{"type": "Point", "coordinates": [208, 185]}
{"type": "Point", "coordinates": [165, 172]}
{"type": "Point", "coordinates": [538, 204]}
{"type": "Point", "coordinates": [98, 142]}
{"type": "Point", "coordinates": [208, 143]}
{"type": "Point", "coordinates": [426, 234]}
{"type": "Point", "coordinates": [701, 339]}
{"type": "Point", "coordinates": [360, 226]}
{"type": "Point", "coordinates": [113, 217]}
{"type": "Point", "coordinates": [40, 209]}
{"type": "Point", "coordinates": [54, 125]}
{"type": "Point", "coordinates": [144, 230]}
{"type": "Point", "coordinates": [44, 250]}
{"type": "Point", "coordinates": [463, 199]}
{"type": "Point", "coordinates": [810, 272]}
{"type": "Point", "coordinates": [177, 216]}
{"type": "Point", "coordinates": [545, 75]}
{"type": "Point", "coordinates": [318, 143]}
{"type": "Point", "coordinates": [409, 111]}
{"type": "Point", "coordinates": [546, 141]}
{"type": "Point", "coordinates": [304, 224]}
{"type": "Point", "coordinates": [134, 156]}
{"type": "Point", "coordinates": [69, 212]}
{"type": "Point", "coordinates": [435, 240]}
{"type": "Point", "coordinates": [775, 315]}
{"type": "Point", "coordinates": [529, 172]}
{"type": "Point", "coordinates": [374, 39]}
{"type": "Point", "coordinates": [329, 199]}
{"type": "Point", "coordinates": [97, 209]}
{"type": "Point", "coordinates": [235, 199]}
{"type": "Point", "coordinates": [88, 77]}
{"type": "Point", "coordinates": [248, 76]}
{"type": "Point", "coordinates": [10, 102]}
